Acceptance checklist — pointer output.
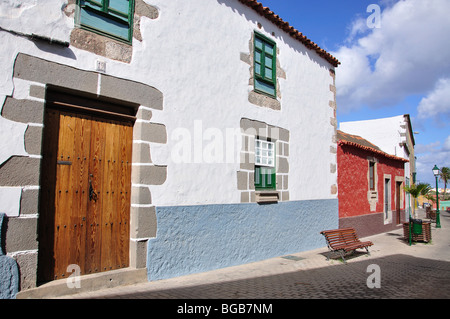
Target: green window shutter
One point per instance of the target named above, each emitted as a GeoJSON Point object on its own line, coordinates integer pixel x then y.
{"type": "Point", "coordinates": [265, 176]}
{"type": "Point", "coordinates": [265, 65]}
{"type": "Point", "coordinates": [113, 18]}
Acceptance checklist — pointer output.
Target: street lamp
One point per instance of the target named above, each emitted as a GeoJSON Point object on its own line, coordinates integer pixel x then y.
{"type": "Point", "coordinates": [436, 174]}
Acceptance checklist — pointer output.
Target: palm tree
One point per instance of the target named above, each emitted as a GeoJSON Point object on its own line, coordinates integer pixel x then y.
{"type": "Point", "coordinates": [445, 177]}
{"type": "Point", "coordinates": [417, 190]}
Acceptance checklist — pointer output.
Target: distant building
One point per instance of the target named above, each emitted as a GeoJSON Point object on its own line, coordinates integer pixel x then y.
{"type": "Point", "coordinates": [370, 181]}
{"type": "Point", "coordinates": [393, 135]}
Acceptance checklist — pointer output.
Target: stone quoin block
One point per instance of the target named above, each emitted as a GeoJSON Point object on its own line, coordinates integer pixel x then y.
{"type": "Point", "coordinates": [24, 111]}
{"type": "Point", "coordinates": [141, 153]}
{"type": "Point", "coordinates": [29, 201]}
{"type": "Point", "coordinates": [20, 171]}
{"type": "Point", "coordinates": [21, 234]}
{"type": "Point", "coordinates": [150, 132]}
{"type": "Point", "coordinates": [133, 92]}
{"type": "Point", "coordinates": [148, 174]}
{"type": "Point", "coordinates": [39, 70]}
{"type": "Point", "coordinates": [140, 195]}
{"type": "Point", "coordinates": [143, 222]}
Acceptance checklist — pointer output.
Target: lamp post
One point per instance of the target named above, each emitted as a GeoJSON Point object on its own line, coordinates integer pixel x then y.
{"type": "Point", "coordinates": [436, 174]}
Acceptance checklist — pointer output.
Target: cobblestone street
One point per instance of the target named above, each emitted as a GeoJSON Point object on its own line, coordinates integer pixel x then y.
{"type": "Point", "coordinates": [402, 276]}
{"type": "Point", "coordinates": [419, 271]}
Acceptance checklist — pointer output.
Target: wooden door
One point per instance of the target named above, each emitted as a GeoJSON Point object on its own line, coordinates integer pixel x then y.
{"type": "Point", "coordinates": [387, 197]}
{"type": "Point", "coordinates": [85, 198]}
{"type": "Point", "coordinates": [398, 188]}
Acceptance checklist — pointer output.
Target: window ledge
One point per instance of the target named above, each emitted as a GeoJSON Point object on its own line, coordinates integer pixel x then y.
{"type": "Point", "coordinates": [264, 100]}
{"type": "Point", "coordinates": [267, 196]}
{"type": "Point", "coordinates": [372, 195]}
{"type": "Point", "coordinates": [101, 45]}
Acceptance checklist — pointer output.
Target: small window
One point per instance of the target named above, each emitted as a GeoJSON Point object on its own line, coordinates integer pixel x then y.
{"type": "Point", "coordinates": [265, 177]}
{"type": "Point", "coordinates": [265, 65]}
{"type": "Point", "coordinates": [113, 18]}
{"type": "Point", "coordinates": [371, 175]}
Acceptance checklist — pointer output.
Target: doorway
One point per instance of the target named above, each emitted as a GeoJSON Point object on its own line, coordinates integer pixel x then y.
{"type": "Point", "coordinates": [85, 191]}
{"type": "Point", "coordinates": [398, 188]}
{"type": "Point", "coordinates": [387, 198]}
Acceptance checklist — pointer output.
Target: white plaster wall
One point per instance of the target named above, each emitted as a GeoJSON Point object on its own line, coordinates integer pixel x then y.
{"type": "Point", "coordinates": [205, 64]}
{"type": "Point", "coordinates": [384, 133]}
{"type": "Point", "coordinates": [10, 200]}
{"type": "Point", "coordinates": [44, 18]}
{"type": "Point", "coordinates": [191, 53]}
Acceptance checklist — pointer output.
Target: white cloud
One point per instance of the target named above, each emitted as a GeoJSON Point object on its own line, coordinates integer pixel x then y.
{"type": "Point", "coordinates": [408, 54]}
{"type": "Point", "coordinates": [358, 27]}
{"type": "Point", "coordinates": [421, 148]}
{"type": "Point", "coordinates": [437, 103]}
{"type": "Point", "coordinates": [429, 155]}
{"type": "Point", "coordinates": [446, 146]}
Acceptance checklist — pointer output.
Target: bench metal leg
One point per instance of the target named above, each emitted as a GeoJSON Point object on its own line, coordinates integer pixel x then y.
{"type": "Point", "coordinates": [342, 253]}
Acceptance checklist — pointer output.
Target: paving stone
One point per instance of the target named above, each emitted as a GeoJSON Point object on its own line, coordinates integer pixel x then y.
{"type": "Point", "coordinates": [419, 271]}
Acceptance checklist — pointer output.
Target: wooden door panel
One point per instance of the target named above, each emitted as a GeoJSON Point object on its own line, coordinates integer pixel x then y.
{"type": "Point", "coordinates": [124, 194]}
{"type": "Point", "coordinates": [95, 201]}
{"type": "Point", "coordinates": [78, 189]}
{"type": "Point", "coordinates": [63, 249]}
{"type": "Point", "coordinates": [89, 220]}
{"type": "Point", "coordinates": [110, 176]}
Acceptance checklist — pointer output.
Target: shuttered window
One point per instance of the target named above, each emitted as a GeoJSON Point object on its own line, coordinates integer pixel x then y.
{"type": "Point", "coordinates": [371, 175]}
{"type": "Point", "coordinates": [265, 65]}
{"type": "Point", "coordinates": [113, 18]}
{"type": "Point", "coordinates": [265, 177]}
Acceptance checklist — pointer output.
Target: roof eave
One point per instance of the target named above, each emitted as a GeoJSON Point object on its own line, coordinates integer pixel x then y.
{"type": "Point", "coordinates": [366, 148]}
{"type": "Point", "coordinates": [286, 27]}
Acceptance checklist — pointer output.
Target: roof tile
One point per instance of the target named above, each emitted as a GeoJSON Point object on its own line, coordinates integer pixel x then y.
{"type": "Point", "coordinates": [285, 26]}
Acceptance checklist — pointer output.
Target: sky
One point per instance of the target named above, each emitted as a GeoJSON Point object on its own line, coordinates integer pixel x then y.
{"type": "Point", "coordinates": [395, 60]}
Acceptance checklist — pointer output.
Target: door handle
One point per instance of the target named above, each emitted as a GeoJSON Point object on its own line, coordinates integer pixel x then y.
{"type": "Point", "coordinates": [92, 193]}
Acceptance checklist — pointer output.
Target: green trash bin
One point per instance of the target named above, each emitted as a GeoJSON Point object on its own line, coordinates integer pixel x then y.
{"type": "Point", "coordinates": [416, 226]}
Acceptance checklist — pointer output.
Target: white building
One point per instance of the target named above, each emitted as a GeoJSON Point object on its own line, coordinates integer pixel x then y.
{"type": "Point", "coordinates": [162, 137]}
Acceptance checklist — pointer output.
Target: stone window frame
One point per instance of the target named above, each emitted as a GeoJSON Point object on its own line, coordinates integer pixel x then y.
{"type": "Point", "coordinates": [255, 97]}
{"type": "Point", "coordinates": [250, 130]}
{"type": "Point", "coordinates": [372, 171]}
{"type": "Point", "coordinates": [105, 46]}
{"type": "Point", "coordinates": [372, 194]}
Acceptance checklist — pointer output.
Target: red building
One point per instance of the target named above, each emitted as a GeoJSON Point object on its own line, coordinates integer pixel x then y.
{"type": "Point", "coordinates": [370, 183]}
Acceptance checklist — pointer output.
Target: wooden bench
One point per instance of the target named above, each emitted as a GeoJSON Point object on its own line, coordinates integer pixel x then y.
{"type": "Point", "coordinates": [344, 240]}
{"type": "Point", "coordinates": [431, 215]}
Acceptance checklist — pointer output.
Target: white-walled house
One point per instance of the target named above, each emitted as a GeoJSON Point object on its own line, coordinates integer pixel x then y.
{"type": "Point", "coordinates": [394, 135]}
{"type": "Point", "coordinates": [161, 137]}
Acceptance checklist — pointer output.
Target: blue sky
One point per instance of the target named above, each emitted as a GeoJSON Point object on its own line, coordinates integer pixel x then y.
{"type": "Point", "coordinates": [399, 66]}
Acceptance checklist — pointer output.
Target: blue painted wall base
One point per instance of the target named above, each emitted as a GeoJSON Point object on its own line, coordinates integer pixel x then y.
{"type": "Point", "coordinates": [192, 239]}
{"type": "Point", "coordinates": [9, 271]}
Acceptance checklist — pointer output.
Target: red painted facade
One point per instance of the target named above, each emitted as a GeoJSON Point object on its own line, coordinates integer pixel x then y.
{"type": "Point", "coordinates": [360, 206]}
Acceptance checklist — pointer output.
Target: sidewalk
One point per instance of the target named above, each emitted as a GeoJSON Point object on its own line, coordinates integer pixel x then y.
{"type": "Point", "coordinates": [421, 270]}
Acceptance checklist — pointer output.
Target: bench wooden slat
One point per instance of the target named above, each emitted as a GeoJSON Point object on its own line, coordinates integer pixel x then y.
{"type": "Point", "coordinates": [344, 240]}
